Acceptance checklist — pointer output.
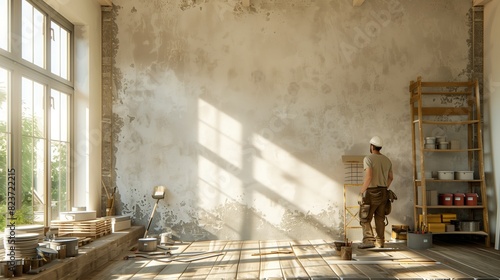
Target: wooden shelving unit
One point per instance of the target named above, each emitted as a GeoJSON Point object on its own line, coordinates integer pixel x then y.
{"type": "Point", "coordinates": [448, 107]}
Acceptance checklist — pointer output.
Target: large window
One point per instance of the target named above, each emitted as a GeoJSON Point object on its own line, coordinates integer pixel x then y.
{"type": "Point", "coordinates": [35, 119]}
{"type": "Point", "coordinates": [33, 34]}
{"type": "Point", "coordinates": [4, 141]}
{"type": "Point", "coordinates": [4, 24]}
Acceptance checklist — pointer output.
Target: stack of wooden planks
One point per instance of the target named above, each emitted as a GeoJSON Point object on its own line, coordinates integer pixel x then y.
{"type": "Point", "coordinates": [89, 228]}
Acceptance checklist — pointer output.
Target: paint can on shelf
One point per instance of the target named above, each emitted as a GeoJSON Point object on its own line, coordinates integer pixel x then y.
{"type": "Point", "coordinates": [469, 225]}
{"type": "Point", "coordinates": [446, 199]}
{"type": "Point", "coordinates": [471, 199]}
{"type": "Point", "coordinates": [458, 199]}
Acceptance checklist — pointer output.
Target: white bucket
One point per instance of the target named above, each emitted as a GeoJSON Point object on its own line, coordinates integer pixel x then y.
{"type": "Point", "coordinates": [446, 175]}
{"type": "Point", "coordinates": [443, 145]}
{"type": "Point", "coordinates": [430, 140]}
{"type": "Point", "coordinates": [464, 175]}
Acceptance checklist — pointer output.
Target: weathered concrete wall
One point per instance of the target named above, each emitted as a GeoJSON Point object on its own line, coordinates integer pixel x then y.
{"type": "Point", "coordinates": [244, 112]}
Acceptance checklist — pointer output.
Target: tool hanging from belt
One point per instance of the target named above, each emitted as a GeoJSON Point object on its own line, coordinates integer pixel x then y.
{"type": "Point", "coordinates": [391, 196]}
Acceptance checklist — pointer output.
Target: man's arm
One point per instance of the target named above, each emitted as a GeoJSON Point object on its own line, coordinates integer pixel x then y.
{"type": "Point", "coordinates": [390, 177]}
{"type": "Point", "coordinates": [368, 179]}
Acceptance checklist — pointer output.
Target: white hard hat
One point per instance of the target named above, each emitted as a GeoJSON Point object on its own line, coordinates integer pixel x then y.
{"type": "Point", "coordinates": [376, 141]}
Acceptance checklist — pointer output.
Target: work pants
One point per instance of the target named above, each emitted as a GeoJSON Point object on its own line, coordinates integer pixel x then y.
{"type": "Point", "coordinates": [377, 199]}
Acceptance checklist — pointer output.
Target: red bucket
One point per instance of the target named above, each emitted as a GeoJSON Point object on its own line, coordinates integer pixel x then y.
{"type": "Point", "coordinates": [446, 199]}
{"type": "Point", "coordinates": [458, 199]}
{"type": "Point", "coordinates": [471, 199]}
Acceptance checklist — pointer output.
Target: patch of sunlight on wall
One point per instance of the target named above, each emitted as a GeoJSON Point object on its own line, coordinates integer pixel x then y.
{"type": "Point", "coordinates": [297, 185]}
{"type": "Point", "coordinates": [221, 136]}
{"type": "Point", "coordinates": [216, 185]}
{"type": "Point", "coordinates": [219, 133]}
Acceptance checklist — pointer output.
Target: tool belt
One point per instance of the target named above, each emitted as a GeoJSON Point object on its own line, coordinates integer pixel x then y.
{"type": "Point", "coordinates": [364, 208]}
{"type": "Point", "coordinates": [391, 196]}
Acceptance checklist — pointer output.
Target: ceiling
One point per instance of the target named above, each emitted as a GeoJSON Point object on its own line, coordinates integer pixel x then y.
{"type": "Point", "coordinates": [355, 3]}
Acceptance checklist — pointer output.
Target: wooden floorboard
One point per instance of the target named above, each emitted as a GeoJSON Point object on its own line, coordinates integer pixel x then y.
{"type": "Point", "coordinates": [227, 266]}
{"type": "Point", "coordinates": [174, 270]}
{"type": "Point", "coordinates": [473, 263]}
{"type": "Point", "coordinates": [269, 260]}
{"type": "Point", "coordinates": [117, 270]}
{"type": "Point", "coordinates": [200, 265]}
{"type": "Point", "coordinates": [305, 259]}
{"type": "Point", "coordinates": [249, 263]}
{"type": "Point", "coordinates": [316, 267]}
{"type": "Point", "coordinates": [290, 265]}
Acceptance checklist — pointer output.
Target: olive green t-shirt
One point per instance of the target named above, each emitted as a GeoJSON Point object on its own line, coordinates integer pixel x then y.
{"type": "Point", "coordinates": [381, 166]}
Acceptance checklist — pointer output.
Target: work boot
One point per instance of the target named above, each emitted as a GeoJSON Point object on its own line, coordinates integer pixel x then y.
{"type": "Point", "coordinates": [366, 245]}
{"type": "Point", "coordinates": [379, 243]}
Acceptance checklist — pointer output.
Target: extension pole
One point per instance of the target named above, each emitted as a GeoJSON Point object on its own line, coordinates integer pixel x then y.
{"type": "Point", "coordinates": [151, 218]}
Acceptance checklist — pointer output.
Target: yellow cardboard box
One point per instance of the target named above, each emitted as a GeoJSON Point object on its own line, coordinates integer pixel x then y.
{"type": "Point", "coordinates": [399, 232]}
{"type": "Point", "coordinates": [431, 218]}
{"type": "Point", "coordinates": [436, 227]}
{"type": "Point", "coordinates": [447, 217]}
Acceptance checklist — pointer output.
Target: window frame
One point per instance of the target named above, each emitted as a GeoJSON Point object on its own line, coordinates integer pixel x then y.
{"type": "Point", "coordinates": [11, 60]}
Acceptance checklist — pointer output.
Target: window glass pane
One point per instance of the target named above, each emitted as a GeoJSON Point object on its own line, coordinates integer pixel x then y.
{"type": "Point", "coordinates": [27, 110]}
{"type": "Point", "coordinates": [33, 108]}
{"type": "Point", "coordinates": [27, 32]}
{"type": "Point", "coordinates": [59, 113]}
{"type": "Point", "coordinates": [64, 117]}
{"type": "Point", "coordinates": [33, 180]}
{"type": "Point", "coordinates": [38, 179]}
{"type": "Point", "coordinates": [4, 86]}
{"type": "Point", "coordinates": [59, 146]}
{"type": "Point", "coordinates": [33, 150]}
{"type": "Point", "coordinates": [59, 178]}
{"type": "Point", "coordinates": [59, 50]}
{"type": "Point", "coordinates": [4, 24]}
{"type": "Point", "coordinates": [55, 129]}
{"type": "Point", "coordinates": [4, 144]}
{"type": "Point", "coordinates": [33, 35]}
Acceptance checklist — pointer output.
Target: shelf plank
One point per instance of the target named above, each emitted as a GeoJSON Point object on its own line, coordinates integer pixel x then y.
{"type": "Point", "coordinates": [438, 180]}
{"type": "Point", "coordinates": [448, 84]}
{"type": "Point", "coordinates": [447, 93]}
{"type": "Point", "coordinates": [451, 150]}
{"type": "Point", "coordinates": [448, 111]}
{"type": "Point", "coordinates": [417, 121]}
{"type": "Point", "coordinates": [450, 123]}
{"type": "Point", "coordinates": [451, 207]}
{"type": "Point", "coordinates": [462, 232]}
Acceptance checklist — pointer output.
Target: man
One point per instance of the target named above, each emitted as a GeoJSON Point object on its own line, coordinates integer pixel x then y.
{"type": "Point", "coordinates": [378, 178]}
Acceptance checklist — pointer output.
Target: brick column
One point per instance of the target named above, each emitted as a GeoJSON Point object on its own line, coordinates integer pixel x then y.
{"type": "Point", "coordinates": [107, 172]}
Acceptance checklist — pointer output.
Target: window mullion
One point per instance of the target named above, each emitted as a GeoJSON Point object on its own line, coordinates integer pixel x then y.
{"type": "Point", "coordinates": [48, 184]}
{"type": "Point", "coordinates": [16, 29]}
{"type": "Point", "coordinates": [16, 140]}
{"type": "Point", "coordinates": [48, 43]}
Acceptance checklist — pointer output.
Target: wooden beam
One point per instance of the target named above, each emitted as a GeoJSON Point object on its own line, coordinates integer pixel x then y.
{"type": "Point", "coordinates": [106, 2]}
{"type": "Point", "coordinates": [357, 3]}
{"type": "Point", "coordinates": [479, 2]}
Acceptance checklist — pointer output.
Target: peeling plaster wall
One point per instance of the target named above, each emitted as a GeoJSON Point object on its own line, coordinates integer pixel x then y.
{"type": "Point", "coordinates": [244, 113]}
